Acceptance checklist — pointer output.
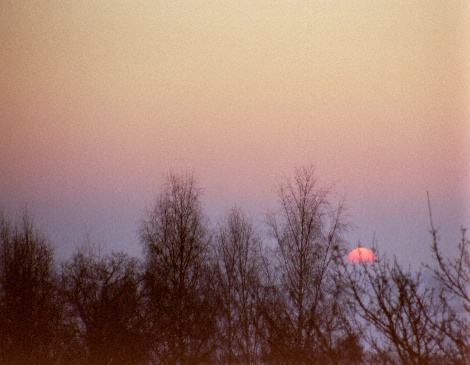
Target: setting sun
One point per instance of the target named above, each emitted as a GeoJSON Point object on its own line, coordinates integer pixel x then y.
{"type": "Point", "coordinates": [361, 254]}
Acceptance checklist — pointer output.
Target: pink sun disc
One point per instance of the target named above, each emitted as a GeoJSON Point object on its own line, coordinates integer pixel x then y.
{"type": "Point", "coordinates": [361, 254]}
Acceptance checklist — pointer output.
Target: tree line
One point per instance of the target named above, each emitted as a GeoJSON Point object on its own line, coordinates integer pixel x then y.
{"type": "Point", "coordinates": [202, 295]}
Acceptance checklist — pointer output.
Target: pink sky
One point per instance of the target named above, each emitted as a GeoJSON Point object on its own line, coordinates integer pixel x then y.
{"type": "Point", "coordinates": [99, 100]}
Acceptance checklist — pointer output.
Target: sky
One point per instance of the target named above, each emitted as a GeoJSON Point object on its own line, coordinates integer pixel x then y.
{"type": "Point", "coordinates": [100, 100]}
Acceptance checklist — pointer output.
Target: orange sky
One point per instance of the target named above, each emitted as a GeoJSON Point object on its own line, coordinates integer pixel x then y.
{"type": "Point", "coordinates": [99, 100]}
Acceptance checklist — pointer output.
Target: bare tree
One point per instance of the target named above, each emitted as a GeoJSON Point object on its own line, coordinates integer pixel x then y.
{"type": "Point", "coordinates": [178, 280]}
{"type": "Point", "coordinates": [453, 276]}
{"type": "Point", "coordinates": [103, 296]}
{"type": "Point", "coordinates": [30, 311]}
{"type": "Point", "coordinates": [305, 319]}
{"type": "Point", "coordinates": [407, 318]}
{"type": "Point", "coordinates": [238, 262]}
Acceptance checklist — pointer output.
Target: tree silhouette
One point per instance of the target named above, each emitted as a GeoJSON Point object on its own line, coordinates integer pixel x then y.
{"type": "Point", "coordinates": [178, 281]}
{"type": "Point", "coordinates": [202, 296]}
{"type": "Point", "coordinates": [406, 317]}
{"type": "Point", "coordinates": [453, 275]}
{"type": "Point", "coordinates": [238, 265]}
{"type": "Point", "coordinates": [303, 313]}
{"type": "Point", "coordinates": [30, 311]}
{"type": "Point", "coordinates": [103, 296]}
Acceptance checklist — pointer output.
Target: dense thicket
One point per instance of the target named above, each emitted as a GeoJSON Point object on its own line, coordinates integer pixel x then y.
{"type": "Point", "coordinates": [222, 295]}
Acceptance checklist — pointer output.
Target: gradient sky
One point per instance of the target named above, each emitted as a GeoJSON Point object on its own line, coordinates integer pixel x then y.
{"type": "Point", "coordinates": [99, 100]}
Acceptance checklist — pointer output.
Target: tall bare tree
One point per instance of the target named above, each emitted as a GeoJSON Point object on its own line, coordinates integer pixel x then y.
{"type": "Point", "coordinates": [238, 263]}
{"type": "Point", "coordinates": [306, 321]}
{"type": "Point", "coordinates": [30, 311]}
{"type": "Point", "coordinates": [105, 308]}
{"type": "Point", "coordinates": [178, 283]}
